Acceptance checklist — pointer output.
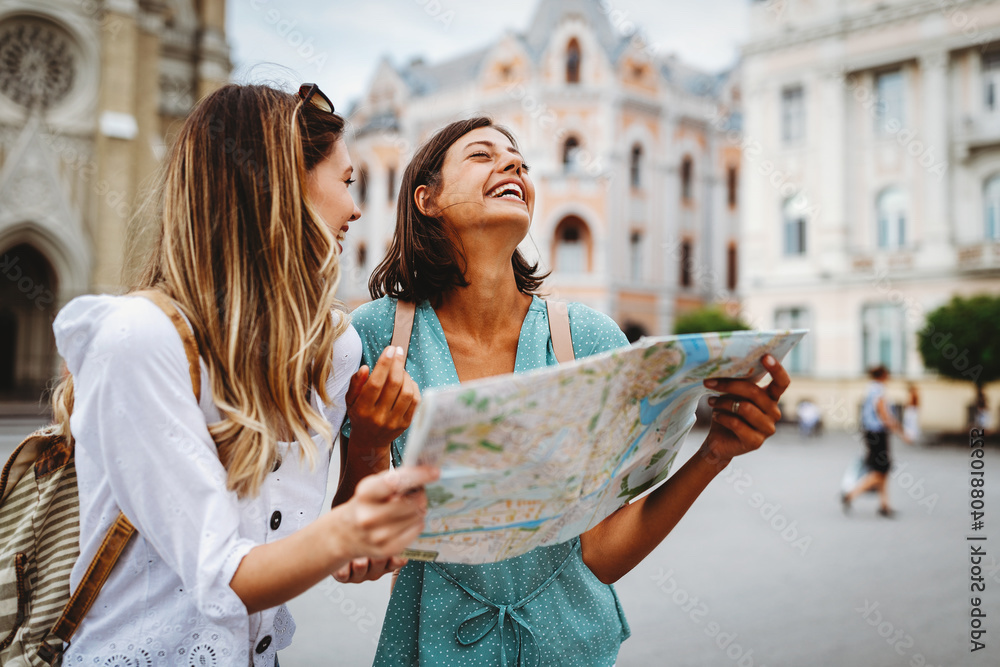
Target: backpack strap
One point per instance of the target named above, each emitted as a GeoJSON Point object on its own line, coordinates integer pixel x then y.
{"type": "Point", "coordinates": [403, 325]}
{"type": "Point", "coordinates": [122, 530]}
{"type": "Point", "coordinates": [167, 305]}
{"type": "Point", "coordinates": [558, 313]}
{"type": "Point", "coordinates": [562, 338]}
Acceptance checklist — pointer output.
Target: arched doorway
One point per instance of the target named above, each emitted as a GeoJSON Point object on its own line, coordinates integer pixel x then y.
{"type": "Point", "coordinates": [27, 307]}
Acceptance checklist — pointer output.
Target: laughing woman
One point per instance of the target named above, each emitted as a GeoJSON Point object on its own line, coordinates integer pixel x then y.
{"type": "Point", "coordinates": [226, 491]}
{"type": "Point", "coordinates": [464, 206]}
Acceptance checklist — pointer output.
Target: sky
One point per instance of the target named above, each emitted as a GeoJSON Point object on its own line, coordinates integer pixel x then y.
{"type": "Point", "coordinates": [338, 44]}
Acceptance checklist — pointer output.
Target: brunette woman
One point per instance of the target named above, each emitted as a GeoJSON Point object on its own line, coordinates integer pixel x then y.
{"type": "Point", "coordinates": [226, 492]}
{"type": "Point", "coordinates": [464, 206]}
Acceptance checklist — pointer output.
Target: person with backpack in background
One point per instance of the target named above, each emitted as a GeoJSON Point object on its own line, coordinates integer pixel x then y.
{"type": "Point", "coordinates": [225, 491]}
{"type": "Point", "coordinates": [877, 422]}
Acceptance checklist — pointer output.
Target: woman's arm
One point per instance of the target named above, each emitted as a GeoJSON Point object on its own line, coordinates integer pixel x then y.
{"type": "Point", "coordinates": [617, 544]}
{"type": "Point", "coordinates": [890, 422]}
{"type": "Point", "coordinates": [137, 420]}
{"type": "Point", "coordinates": [379, 521]}
{"type": "Point", "coordinates": [380, 405]}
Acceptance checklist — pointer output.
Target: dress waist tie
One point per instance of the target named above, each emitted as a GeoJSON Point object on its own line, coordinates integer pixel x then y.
{"type": "Point", "coordinates": [522, 629]}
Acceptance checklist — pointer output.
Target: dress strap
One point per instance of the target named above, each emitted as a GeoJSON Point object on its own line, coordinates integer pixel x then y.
{"type": "Point", "coordinates": [467, 636]}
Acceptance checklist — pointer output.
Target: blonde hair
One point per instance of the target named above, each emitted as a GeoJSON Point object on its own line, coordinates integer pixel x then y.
{"type": "Point", "coordinates": [253, 267]}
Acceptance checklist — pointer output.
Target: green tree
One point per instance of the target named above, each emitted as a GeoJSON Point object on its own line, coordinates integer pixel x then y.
{"type": "Point", "coordinates": [709, 318]}
{"type": "Point", "coordinates": [960, 339]}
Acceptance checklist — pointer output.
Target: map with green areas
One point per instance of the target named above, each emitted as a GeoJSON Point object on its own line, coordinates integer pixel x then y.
{"type": "Point", "coordinates": [537, 458]}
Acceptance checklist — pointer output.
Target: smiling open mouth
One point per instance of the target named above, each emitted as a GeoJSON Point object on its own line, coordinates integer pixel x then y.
{"type": "Point", "coordinates": [507, 191]}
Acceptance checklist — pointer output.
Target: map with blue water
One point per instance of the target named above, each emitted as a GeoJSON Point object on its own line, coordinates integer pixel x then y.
{"type": "Point", "coordinates": [538, 458]}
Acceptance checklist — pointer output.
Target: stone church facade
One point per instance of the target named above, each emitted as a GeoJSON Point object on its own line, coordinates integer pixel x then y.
{"type": "Point", "coordinates": [89, 94]}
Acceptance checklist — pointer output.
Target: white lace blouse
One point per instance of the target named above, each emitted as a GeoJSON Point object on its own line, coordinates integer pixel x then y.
{"type": "Point", "coordinates": [142, 446]}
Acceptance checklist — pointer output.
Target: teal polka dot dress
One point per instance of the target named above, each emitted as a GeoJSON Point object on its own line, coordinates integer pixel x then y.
{"type": "Point", "coordinates": [544, 607]}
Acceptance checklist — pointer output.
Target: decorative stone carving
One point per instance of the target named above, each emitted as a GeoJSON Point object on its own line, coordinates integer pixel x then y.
{"type": "Point", "coordinates": [37, 67]}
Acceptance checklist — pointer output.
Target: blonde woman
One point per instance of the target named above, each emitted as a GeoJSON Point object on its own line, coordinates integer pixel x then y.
{"type": "Point", "coordinates": [226, 493]}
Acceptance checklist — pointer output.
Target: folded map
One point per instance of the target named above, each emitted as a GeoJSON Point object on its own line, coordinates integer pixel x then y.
{"type": "Point", "coordinates": [537, 458]}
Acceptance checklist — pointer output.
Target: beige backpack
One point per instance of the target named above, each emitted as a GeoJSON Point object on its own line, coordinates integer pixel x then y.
{"type": "Point", "coordinates": [40, 536]}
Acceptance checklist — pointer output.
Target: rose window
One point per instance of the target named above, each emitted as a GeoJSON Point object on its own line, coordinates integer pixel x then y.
{"type": "Point", "coordinates": [36, 63]}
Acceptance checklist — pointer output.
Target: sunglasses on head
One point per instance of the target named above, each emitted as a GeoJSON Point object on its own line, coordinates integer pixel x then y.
{"type": "Point", "coordinates": [311, 94]}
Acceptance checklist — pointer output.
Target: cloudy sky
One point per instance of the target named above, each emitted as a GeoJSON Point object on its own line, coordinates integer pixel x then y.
{"type": "Point", "coordinates": [338, 44]}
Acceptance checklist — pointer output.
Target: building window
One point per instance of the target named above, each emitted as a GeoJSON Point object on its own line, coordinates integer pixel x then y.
{"type": "Point", "coordinates": [883, 337]}
{"type": "Point", "coordinates": [991, 81]}
{"type": "Point", "coordinates": [732, 181]}
{"type": "Point", "coordinates": [891, 219]}
{"type": "Point", "coordinates": [793, 114]}
{"type": "Point", "coordinates": [573, 61]}
{"type": "Point", "coordinates": [687, 258]}
{"type": "Point", "coordinates": [362, 185]}
{"type": "Point", "coordinates": [635, 166]}
{"type": "Point", "coordinates": [391, 185]}
{"type": "Point", "coordinates": [991, 197]}
{"type": "Point", "coordinates": [635, 257]}
{"type": "Point", "coordinates": [799, 360]}
{"type": "Point", "coordinates": [731, 268]}
{"type": "Point", "coordinates": [572, 246]}
{"type": "Point", "coordinates": [794, 227]}
{"type": "Point", "coordinates": [571, 154]}
{"type": "Point", "coordinates": [889, 101]}
{"type": "Point", "coordinates": [687, 176]}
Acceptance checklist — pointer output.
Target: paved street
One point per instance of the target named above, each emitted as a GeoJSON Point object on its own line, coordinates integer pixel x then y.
{"type": "Point", "coordinates": [766, 570]}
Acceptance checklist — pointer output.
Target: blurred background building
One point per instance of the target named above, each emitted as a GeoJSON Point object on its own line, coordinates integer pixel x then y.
{"type": "Point", "coordinates": [844, 176]}
{"type": "Point", "coordinates": [638, 200]}
{"type": "Point", "coordinates": [88, 93]}
{"type": "Point", "coordinates": [871, 162]}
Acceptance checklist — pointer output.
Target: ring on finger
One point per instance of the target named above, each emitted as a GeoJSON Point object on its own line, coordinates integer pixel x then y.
{"type": "Point", "coordinates": [736, 407]}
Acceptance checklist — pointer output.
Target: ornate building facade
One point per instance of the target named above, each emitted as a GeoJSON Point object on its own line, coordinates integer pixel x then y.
{"type": "Point", "coordinates": [872, 179]}
{"type": "Point", "coordinates": [637, 193]}
{"type": "Point", "coordinates": [89, 92]}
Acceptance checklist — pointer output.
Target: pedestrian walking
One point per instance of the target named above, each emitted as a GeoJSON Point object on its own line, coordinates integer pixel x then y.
{"type": "Point", "coordinates": [877, 422]}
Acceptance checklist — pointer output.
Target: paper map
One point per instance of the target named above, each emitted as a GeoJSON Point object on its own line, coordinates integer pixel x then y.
{"type": "Point", "coordinates": [538, 458]}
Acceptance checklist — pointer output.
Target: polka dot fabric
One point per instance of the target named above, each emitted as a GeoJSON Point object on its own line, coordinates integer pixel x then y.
{"type": "Point", "coordinates": [542, 608]}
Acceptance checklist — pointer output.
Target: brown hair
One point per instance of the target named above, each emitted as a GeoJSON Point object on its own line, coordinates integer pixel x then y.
{"type": "Point", "coordinates": [879, 372]}
{"type": "Point", "coordinates": [424, 259]}
{"type": "Point", "coordinates": [253, 267]}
